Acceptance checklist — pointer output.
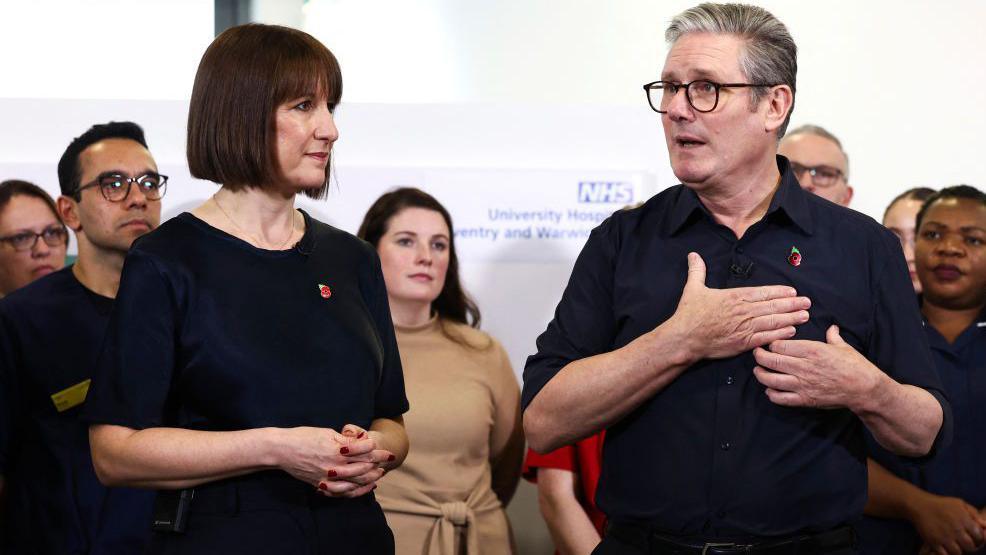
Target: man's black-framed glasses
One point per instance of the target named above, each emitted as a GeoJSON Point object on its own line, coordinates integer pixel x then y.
{"type": "Point", "coordinates": [115, 187]}
{"type": "Point", "coordinates": [821, 176]}
{"type": "Point", "coordinates": [702, 95]}
{"type": "Point", "coordinates": [53, 236]}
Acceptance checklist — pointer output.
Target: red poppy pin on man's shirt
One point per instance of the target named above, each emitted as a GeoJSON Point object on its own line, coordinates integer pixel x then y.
{"type": "Point", "coordinates": [795, 257]}
{"type": "Point", "coordinates": [324, 291]}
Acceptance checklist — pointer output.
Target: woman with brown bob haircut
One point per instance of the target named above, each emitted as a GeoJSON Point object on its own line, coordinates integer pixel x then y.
{"type": "Point", "coordinates": [250, 371]}
{"type": "Point", "coordinates": [448, 497]}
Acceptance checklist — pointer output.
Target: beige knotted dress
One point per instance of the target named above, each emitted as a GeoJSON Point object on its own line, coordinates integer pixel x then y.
{"type": "Point", "coordinates": [467, 444]}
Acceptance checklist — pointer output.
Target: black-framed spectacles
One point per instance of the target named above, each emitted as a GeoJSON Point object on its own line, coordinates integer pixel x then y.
{"type": "Point", "coordinates": [702, 94]}
{"type": "Point", "coordinates": [53, 235]}
{"type": "Point", "coordinates": [115, 187]}
{"type": "Point", "coordinates": [822, 176]}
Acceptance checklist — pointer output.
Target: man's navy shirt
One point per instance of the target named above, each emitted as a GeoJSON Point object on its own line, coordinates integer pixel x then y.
{"type": "Point", "coordinates": [958, 470]}
{"type": "Point", "coordinates": [710, 455]}
{"type": "Point", "coordinates": [51, 332]}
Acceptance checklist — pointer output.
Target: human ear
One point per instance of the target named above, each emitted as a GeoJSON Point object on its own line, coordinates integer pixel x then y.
{"type": "Point", "coordinates": [68, 211]}
{"type": "Point", "coordinates": [779, 103]}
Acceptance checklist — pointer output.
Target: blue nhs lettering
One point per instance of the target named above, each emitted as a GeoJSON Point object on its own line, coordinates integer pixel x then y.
{"type": "Point", "coordinates": [616, 192]}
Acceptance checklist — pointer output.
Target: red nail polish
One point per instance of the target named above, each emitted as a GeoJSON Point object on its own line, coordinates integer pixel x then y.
{"type": "Point", "coordinates": [344, 450]}
{"type": "Point", "coordinates": [332, 473]}
{"type": "Point", "coordinates": [323, 487]}
{"type": "Point", "coordinates": [392, 458]}
{"type": "Point", "coordinates": [360, 436]}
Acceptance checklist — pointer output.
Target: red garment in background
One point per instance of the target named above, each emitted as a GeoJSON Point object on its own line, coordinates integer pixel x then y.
{"type": "Point", "coordinates": [584, 459]}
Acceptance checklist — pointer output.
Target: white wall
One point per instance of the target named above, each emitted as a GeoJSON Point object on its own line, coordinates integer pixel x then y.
{"type": "Point", "coordinates": [126, 49]}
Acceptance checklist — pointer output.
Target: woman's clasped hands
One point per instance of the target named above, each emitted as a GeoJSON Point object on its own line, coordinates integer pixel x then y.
{"type": "Point", "coordinates": [346, 464]}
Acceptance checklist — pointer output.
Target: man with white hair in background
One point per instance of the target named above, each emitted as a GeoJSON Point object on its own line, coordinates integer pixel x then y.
{"type": "Point", "coordinates": [735, 334]}
{"type": "Point", "coordinates": [819, 162]}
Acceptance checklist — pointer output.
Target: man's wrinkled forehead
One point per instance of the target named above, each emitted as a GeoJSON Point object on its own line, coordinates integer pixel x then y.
{"type": "Point", "coordinates": [702, 56]}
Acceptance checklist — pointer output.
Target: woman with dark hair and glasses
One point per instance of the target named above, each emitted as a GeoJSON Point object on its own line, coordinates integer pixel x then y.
{"type": "Point", "coordinates": [250, 371]}
{"type": "Point", "coordinates": [33, 239]}
{"type": "Point", "coordinates": [465, 424]}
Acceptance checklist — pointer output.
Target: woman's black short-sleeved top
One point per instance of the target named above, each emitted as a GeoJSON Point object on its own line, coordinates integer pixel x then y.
{"type": "Point", "coordinates": [211, 333]}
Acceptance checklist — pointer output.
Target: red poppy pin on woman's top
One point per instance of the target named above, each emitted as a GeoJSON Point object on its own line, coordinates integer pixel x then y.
{"type": "Point", "coordinates": [795, 257]}
{"type": "Point", "coordinates": [324, 291]}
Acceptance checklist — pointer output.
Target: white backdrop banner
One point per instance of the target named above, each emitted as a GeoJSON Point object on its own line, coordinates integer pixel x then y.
{"type": "Point", "coordinates": [500, 215]}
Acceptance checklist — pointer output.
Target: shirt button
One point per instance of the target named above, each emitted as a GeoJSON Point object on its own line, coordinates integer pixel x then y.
{"type": "Point", "coordinates": [724, 446]}
{"type": "Point", "coordinates": [739, 250]}
{"type": "Point", "coordinates": [729, 380]}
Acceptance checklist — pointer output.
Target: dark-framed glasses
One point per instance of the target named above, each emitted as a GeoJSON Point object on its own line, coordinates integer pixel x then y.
{"type": "Point", "coordinates": [702, 95]}
{"type": "Point", "coordinates": [53, 235]}
{"type": "Point", "coordinates": [115, 187]}
{"type": "Point", "coordinates": [821, 176]}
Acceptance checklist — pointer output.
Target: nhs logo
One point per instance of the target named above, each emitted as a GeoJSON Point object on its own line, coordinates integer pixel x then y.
{"type": "Point", "coordinates": [612, 192]}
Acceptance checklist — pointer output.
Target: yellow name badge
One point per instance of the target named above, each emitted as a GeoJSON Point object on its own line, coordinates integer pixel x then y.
{"type": "Point", "coordinates": [71, 397]}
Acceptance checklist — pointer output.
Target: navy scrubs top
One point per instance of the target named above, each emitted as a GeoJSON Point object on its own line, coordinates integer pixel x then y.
{"type": "Point", "coordinates": [50, 335]}
{"type": "Point", "coordinates": [958, 470]}
{"type": "Point", "coordinates": [212, 333]}
{"type": "Point", "coordinates": [710, 456]}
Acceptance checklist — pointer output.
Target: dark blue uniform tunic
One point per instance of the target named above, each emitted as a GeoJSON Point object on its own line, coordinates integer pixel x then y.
{"type": "Point", "coordinates": [958, 470]}
{"type": "Point", "coordinates": [51, 332]}
{"type": "Point", "coordinates": [211, 333]}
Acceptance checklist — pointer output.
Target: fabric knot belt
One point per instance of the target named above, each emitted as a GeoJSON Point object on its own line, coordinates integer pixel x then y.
{"type": "Point", "coordinates": [457, 512]}
{"type": "Point", "coordinates": [448, 515]}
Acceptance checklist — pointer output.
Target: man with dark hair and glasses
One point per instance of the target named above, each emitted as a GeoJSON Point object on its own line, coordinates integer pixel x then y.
{"type": "Point", "coordinates": [50, 335]}
{"type": "Point", "coordinates": [819, 162]}
{"type": "Point", "coordinates": [734, 335]}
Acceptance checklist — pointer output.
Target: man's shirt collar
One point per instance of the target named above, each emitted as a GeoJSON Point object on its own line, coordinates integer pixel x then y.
{"type": "Point", "coordinates": [789, 199]}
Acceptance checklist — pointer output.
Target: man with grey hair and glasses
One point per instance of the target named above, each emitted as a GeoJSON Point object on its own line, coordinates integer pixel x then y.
{"type": "Point", "coordinates": [735, 334]}
{"type": "Point", "coordinates": [819, 162]}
